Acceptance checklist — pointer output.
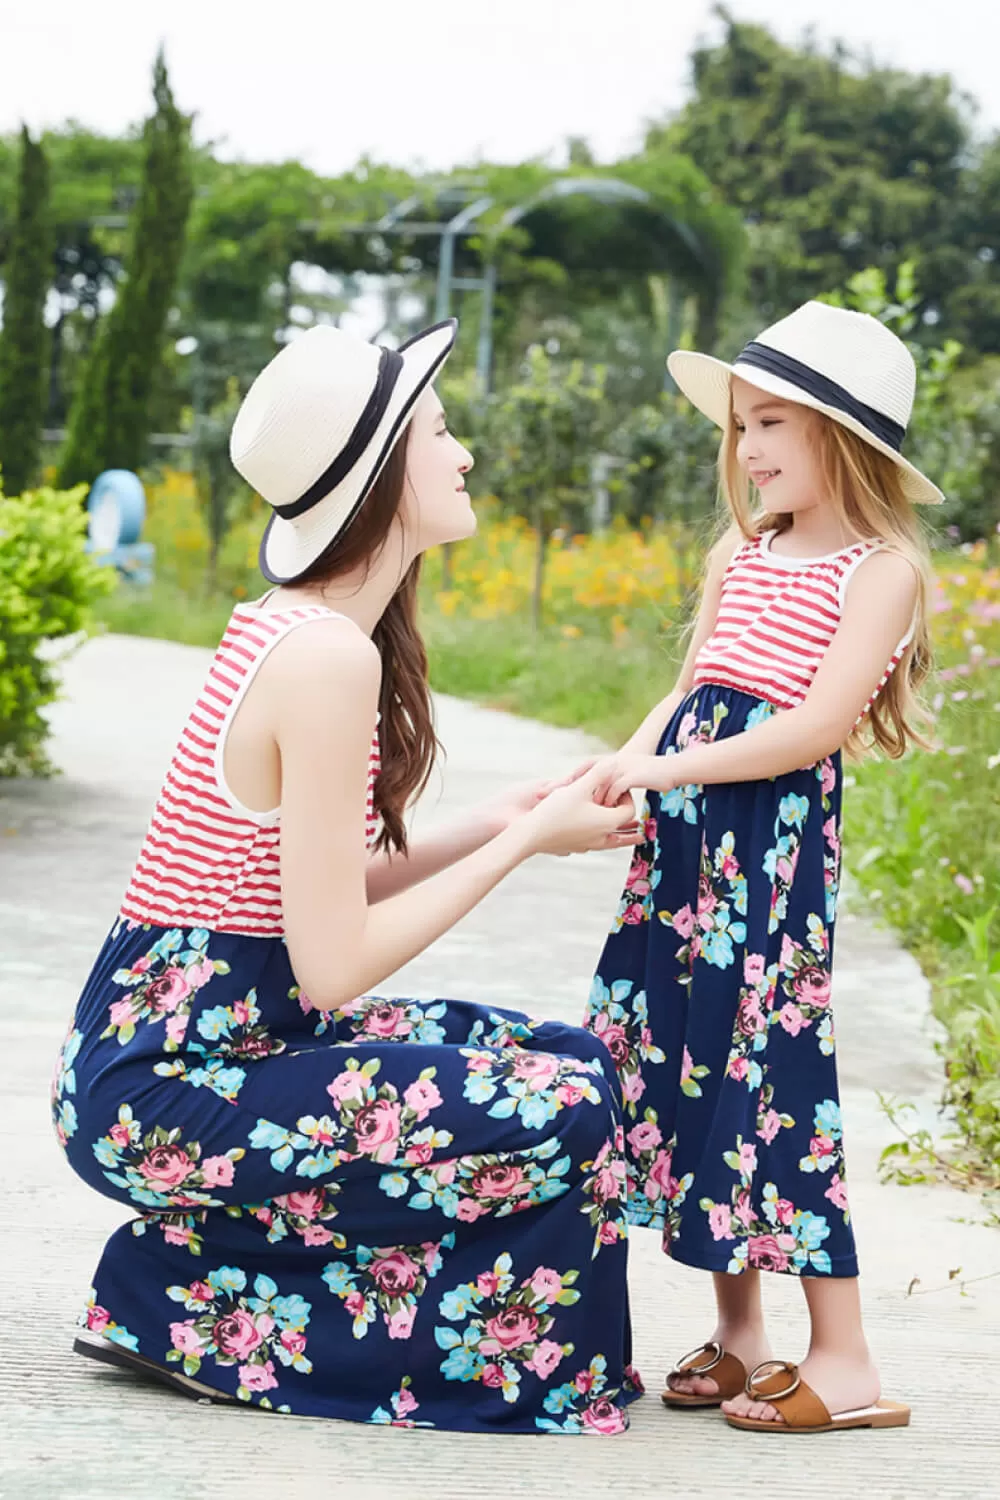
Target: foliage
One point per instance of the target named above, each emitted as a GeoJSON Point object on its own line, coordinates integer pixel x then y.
{"type": "Point", "coordinates": [109, 422]}
{"type": "Point", "coordinates": [543, 431]}
{"type": "Point", "coordinates": [666, 464]}
{"type": "Point", "coordinates": [23, 339]}
{"type": "Point", "coordinates": [217, 485]}
{"type": "Point", "coordinates": [836, 164]}
{"type": "Point", "coordinates": [48, 586]}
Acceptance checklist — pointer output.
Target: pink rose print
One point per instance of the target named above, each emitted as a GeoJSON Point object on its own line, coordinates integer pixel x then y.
{"type": "Point", "coordinates": [419, 1154]}
{"type": "Point", "coordinates": [468, 1210]}
{"type": "Point", "coordinates": [184, 1336]}
{"type": "Point", "coordinates": [120, 1013]}
{"type": "Point", "coordinates": [659, 1173]}
{"type": "Point", "coordinates": [645, 1136]}
{"type": "Point", "coordinates": [258, 1377]}
{"type": "Point", "coordinates": [493, 1376]}
{"type": "Point", "coordinates": [614, 1037]}
{"type": "Point", "coordinates": [738, 1068]}
{"type": "Point", "coordinates": [510, 1329]}
{"type": "Point", "coordinates": [608, 1234]}
{"type": "Point", "coordinates": [200, 973]}
{"type": "Point", "coordinates": [821, 1145]}
{"type": "Point", "coordinates": [306, 1204]}
{"type": "Point", "coordinates": [294, 1342]}
{"type": "Point", "coordinates": [788, 952]}
{"type": "Point", "coordinates": [487, 1283]}
{"type": "Point", "coordinates": [754, 968]}
{"type": "Point", "coordinates": [539, 1068]}
{"type": "Point", "coordinates": [785, 1211]}
{"type": "Point", "coordinates": [792, 1018]}
{"type": "Point", "coordinates": [584, 1381]}
{"type": "Point", "coordinates": [837, 1193]}
{"type": "Point", "coordinates": [633, 915]}
{"type": "Point", "coordinates": [98, 1319]}
{"type": "Point", "coordinates": [422, 1097]}
{"type": "Point", "coordinates": [604, 1416]}
{"type": "Point", "coordinates": [177, 1029]}
{"type": "Point", "coordinates": [812, 986]}
{"type": "Point", "coordinates": [177, 1234]}
{"type": "Point", "coordinates": [748, 1159]}
{"type": "Point", "coordinates": [500, 1181]}
{"type": "Point", "coordinates": [743, 1211]}
{"type": "Point", "coordinates": [394, 1273]}
{"type": "Point", "coordinates": [355, 1304]}
{"type": "Point", "coordinates": [217, 1171]}
{"type": "Point", "coordinates": [347, 1085]}
{"type": "Point", "coordinates": [166, 1167]}
{"type": "Point", "coordinates": [237, 1334]}
{"type": "Point", "coordinates": [718, 1222]}
{"type": "Point", "coordinates": [315, 1234]}
{"type": "Point", "coordinates": [400, 1325]}
{"type": "Point", "coordinates": [545, 1359]}
{"type": "Point", "coordinates": [167, 992]}
{"type": "Point", "coordinates": [769, 1126]}
{"type": "Point", "coordinates": [828, 777]}
{"type": "Point", "coordinates": [764, 1252]}
{"type": "Point", "coordinates": [405, 1403]}
{"type": "Point", "coordinates": [569, 1093]}
{"type": "Point", "coordinates": [637, 880]}
{"type": "Point", "coordinates": [386, 1020]}
{"type": "Point", "coordinates": [120, 1134]}
{"type": "Point", "coordinates": [683, 922]}
{"type": "Point", "coordinates": [201, 1291]}
{"type": "Point", "coordinates": [633, 1086]}
{"type": "Point", "coordinates": [377, 1129]}
{"type": "Point", "coordinates": [686, 728]}
{"type": "Point", "coordinates": [546, 1284]}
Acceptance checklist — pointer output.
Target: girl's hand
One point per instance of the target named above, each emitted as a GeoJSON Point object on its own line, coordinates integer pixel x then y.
{"type": "Point", "coordinates": [618, 775]}
{"type": "Point", "coordinates": [571, 820]}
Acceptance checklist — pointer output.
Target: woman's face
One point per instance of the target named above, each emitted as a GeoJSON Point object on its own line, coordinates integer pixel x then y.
{"type": "Point", "coordinates": [437, 508]}
{"type": "Point", "coordinates": [775, 445]}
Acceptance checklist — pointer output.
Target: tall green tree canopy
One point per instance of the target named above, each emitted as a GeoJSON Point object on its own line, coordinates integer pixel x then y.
{"type": "Point", "coordinates": [24, 338]}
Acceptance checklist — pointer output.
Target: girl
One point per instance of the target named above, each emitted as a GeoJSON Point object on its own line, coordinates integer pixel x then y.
{"type": "Point", "coordinates": [386, 1210]}
{"type": "Point", "coordinates": [713, 990]}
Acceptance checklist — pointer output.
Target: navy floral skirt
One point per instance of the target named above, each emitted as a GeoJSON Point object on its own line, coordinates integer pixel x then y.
{"type": "Point", "coordinates": [412, 1213]}
{"type": "Point", "coordinates": [713, 998]}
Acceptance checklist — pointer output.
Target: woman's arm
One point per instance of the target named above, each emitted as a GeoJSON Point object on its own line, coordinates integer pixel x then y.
{"type": "Point", "coordinates": [324, 690]}
{"type": "Point", "coordinates": [877, 613]}
{"type": "Point", "coordinates": [646, 738]}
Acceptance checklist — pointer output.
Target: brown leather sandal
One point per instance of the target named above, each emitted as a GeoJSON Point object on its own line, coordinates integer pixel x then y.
{"type": "Point", "coordinates": [803, 1411]}
{"type": "Point", "coordinates": [728, 1372]}
{"type": "Point", "coordinates": [107, 1353]}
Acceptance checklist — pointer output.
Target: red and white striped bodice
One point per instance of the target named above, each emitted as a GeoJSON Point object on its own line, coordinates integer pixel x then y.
{"type": "Point", "coordinates": [208, 861]}
{"type": "Point", "coordinates": [777, 617]}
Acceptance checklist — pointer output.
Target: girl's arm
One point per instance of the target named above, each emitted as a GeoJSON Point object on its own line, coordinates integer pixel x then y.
{"type": "Point", "coordinates": [646, 738]}
{"type": "Point", "coordinates": [877, 613]}
{"type": "Point", "coordinates": [324, 687]}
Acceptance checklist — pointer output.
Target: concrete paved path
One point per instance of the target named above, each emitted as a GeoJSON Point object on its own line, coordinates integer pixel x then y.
{"type": "Point", "coordinates": [69, 1431]}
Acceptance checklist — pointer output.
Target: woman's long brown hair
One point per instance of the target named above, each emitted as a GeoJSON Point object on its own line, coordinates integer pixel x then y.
{"type": "Point", "coordinates": [407, 739]}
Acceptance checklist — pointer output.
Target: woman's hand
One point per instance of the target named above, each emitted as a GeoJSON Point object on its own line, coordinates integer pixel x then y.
{"type": "Point", "coordinates": [571, 820]}
{"type": "Point", "coordinates": [500, 811]}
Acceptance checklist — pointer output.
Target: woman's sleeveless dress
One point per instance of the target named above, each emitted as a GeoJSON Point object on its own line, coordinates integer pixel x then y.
{"type": "Point", "coordinates": [408, 1212]}
{"type": "Point", "coordinates": [713, 990]}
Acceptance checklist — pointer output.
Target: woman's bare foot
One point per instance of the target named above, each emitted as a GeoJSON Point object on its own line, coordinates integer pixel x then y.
{"type": "Point", "coordinates": [748, 1344]}
{"type": "Point", "coordinates": [842, 1382]}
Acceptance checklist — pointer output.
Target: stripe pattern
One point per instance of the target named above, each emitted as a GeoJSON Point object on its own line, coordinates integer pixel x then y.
{"type": "Point", "coordinates": [777, 618]}
{"type": "Point", "coordinates": [206, 861]}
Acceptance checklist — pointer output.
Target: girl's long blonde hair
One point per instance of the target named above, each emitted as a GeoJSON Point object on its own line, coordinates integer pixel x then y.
{"type": "Point", "coordinates": [865, 489]}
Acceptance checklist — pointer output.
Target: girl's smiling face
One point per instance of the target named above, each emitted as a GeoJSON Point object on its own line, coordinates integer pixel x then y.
{"type": "Point", "coordinates": [775, 448]}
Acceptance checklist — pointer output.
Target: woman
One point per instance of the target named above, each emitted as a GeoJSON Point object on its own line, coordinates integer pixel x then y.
{"type": "Point", "coordinates": [382, 1210]}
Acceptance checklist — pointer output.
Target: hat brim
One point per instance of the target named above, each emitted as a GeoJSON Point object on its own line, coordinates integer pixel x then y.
{"type": "Point", "coordinates": [287, 550]}
{"type": "Point", "coordinates": [706, 382]}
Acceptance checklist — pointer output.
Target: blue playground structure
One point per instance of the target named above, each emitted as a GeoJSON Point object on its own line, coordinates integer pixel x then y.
{"type": "Point", "coordinates": [117, 509]}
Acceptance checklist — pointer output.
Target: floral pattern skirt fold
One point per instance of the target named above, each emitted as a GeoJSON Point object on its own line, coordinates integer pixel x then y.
{"type": "Point", "coordinates": [712, 996]}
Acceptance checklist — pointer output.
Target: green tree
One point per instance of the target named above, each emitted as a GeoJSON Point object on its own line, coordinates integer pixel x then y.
{"type": "Point", "coordinates": [24, 339]}
{"type": "Point", "coordinates": [545, 430]}
{"type": "Point", "coordinates": [109, 420]}
{"type": "Point", "coordinates": [835, 164]}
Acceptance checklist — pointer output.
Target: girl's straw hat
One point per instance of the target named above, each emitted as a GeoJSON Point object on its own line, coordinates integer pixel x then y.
{"type": "Point", "coordinates": [844, 364]}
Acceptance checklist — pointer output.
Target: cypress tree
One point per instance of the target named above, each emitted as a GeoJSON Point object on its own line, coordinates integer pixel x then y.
{"type": "Point", "coordinates": [109, 418]}
{"type": "Point", "coordinates": [24, 339]}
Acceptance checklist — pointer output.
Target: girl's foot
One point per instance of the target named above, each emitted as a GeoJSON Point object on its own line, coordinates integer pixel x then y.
{"type": "Point", "coordinates": [842, 1383]}
{"type": "Point", "coordinates": [748, 1345]}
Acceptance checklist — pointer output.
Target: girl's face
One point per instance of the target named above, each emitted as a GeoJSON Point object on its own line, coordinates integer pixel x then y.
{"type": "Point", "coordinates": [775, 448]}
{"type": "Point", "coordinates": [436, 507]}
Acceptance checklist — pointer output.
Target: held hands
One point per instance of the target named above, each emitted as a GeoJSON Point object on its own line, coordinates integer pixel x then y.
{"type": "Point", "coordinates": [618, 775]}
{"type": "Point", "coordinates": [572, 820]}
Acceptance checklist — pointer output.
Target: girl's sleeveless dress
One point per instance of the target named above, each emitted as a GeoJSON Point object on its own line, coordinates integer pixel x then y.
{"type": "Point", "coordinates": [713, 990]}
{"type": "Point", "coordinates": [409, 1212]}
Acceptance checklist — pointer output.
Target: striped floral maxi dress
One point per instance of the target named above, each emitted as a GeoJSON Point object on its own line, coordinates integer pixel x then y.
{"type": "Point", "coordinates": [713, 990]}
{"type": "Point", "coordinates": [409, 1212]}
